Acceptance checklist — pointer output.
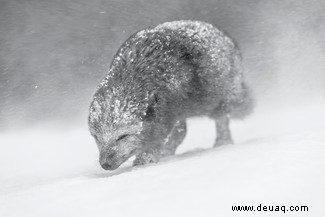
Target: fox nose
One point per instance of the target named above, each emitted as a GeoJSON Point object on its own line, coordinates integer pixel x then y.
{"type": "Point", "coordinates": [107, 166]}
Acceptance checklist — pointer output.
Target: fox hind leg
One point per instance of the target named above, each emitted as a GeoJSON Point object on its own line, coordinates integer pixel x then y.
{"type": "Point", "coordinates": [221, 117]}
{"type": "Point", "coordinates": [223, 131]}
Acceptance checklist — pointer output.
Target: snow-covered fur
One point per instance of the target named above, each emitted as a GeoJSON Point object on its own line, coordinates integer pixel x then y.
{"type": "Point", "coordinates": [157, 79]}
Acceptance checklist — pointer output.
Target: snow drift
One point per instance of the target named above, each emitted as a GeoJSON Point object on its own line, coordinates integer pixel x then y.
{"type": "Point", "coordinates": [278, 159]}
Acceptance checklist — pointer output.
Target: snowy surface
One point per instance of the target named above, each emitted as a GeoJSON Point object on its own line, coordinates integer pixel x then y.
{"type": "Point", "coordinates": [278, 159]}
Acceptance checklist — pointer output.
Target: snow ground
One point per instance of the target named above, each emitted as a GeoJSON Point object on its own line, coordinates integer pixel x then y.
{"type": "Point", "coordinates": [278, 159]}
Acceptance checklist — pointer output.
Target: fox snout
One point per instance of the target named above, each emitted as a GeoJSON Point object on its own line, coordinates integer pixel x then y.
{"type": "Point", "coordinates": [108, 160]}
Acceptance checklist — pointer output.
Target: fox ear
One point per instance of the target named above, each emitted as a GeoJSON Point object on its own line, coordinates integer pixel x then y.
{"type": "Point", "coordinates": [151, 109]}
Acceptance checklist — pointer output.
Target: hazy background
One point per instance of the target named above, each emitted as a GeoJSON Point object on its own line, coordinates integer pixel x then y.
{"type": "Point", "coordinates": [53, 53]}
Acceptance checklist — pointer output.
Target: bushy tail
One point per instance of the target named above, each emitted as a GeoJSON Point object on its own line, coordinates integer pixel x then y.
{"type": "Point", "coordinates": [243, 105]}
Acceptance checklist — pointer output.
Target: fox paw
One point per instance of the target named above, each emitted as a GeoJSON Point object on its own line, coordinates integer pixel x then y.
{"type": "Point", "coordinates": [145, 158]}
{"type": "Point", "coordinates": [220, 142]}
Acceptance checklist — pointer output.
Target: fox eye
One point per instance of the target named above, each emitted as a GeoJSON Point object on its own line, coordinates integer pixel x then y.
{"type": "Point", "coordinates": [122, 137]}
